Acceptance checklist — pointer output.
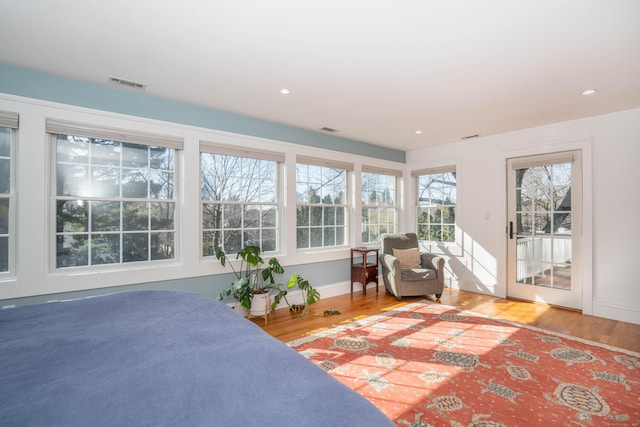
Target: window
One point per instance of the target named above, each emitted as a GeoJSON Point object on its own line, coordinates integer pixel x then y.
{"type": "Point", "coordinates": [436, 204]}
{"type": "Point", "coordinates": [321, 214]}
{"type": "Point", "coordinates": [379, 203]}
{"type": "Point", "coordinates": [115, 198]}
{"type": "Point", "coordinates": [239, 196]}
{"type": "Point", "coordinates": [8, 124]}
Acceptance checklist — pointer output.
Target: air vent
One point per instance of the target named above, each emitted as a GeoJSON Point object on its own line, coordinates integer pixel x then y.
{"type": "Point", "coordinates": [127, 83]}
{"type": "Point", "coordinates": [330, 130]}
{"type": "Point", "coordinates": [470, 136]}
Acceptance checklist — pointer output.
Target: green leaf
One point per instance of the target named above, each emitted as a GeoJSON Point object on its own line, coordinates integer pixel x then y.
{"type": "Point", "coordinates": [293, 280]}
{"type": "Point", "coordinates": [221, 256]}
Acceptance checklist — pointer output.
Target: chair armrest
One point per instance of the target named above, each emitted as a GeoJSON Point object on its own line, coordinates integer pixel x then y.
{"type": "Point", "coordinates": [432, 261]}
{"type": "Point", "coordinates": [390, 262]}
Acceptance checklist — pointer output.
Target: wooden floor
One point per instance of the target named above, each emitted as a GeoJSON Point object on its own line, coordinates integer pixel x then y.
{"type": "Point", "coordinates": [286, 327]}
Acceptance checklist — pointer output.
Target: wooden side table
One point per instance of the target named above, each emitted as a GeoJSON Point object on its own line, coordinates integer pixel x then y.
{"type": "Point", "coordinates": [363, 270]}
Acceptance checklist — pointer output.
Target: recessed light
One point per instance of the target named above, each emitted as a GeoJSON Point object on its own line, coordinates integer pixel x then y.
{"type": "Point", "coordinates": [285, 91]}
{"type": "Point", "coordinates": [589, 92]}
{"type": "Point", "coordinates": [418, 132]}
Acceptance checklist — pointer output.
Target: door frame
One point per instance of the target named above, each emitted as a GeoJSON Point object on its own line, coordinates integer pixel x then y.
{"type": "Point", "coordinates": [548, 147]}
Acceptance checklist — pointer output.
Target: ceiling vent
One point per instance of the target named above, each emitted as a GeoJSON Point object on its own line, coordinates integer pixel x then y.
{"type": "Point", "coordinates": [126, 83]}
{"type": "Point", "coordinates": [330, 130]}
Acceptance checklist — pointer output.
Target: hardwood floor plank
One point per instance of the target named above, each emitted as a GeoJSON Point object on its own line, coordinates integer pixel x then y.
{"type": "Point", "coordinates": [286, 327]}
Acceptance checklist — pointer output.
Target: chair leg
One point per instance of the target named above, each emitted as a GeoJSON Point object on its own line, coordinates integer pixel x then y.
{"type": "Point", "coordinates": [438, 298]}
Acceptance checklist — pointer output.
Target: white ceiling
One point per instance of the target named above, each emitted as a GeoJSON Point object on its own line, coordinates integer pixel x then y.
{"type": "Point", "coordinates": [377, 71]}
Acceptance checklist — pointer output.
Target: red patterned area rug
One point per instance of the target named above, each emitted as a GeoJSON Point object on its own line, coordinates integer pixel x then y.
{"type": "Point", "coordinates": [433, 365]}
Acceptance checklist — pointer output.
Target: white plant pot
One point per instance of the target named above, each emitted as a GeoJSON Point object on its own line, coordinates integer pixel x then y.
{"type": "Point", "coordinates": [260, 304]}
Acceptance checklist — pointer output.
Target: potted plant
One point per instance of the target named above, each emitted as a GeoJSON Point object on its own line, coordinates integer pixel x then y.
{"type": "Point", "coordinates": [310, 295]}
{"type": "Point", "coordinates": [255, 278]}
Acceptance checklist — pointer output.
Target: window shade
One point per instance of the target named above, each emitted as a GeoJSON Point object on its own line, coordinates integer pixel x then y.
{"type": "Point", "coordinates": [314, 161]}
{"type": "Point", "coordinates": [381, 171]}
{"type": "Point", "coordinates": [211, 147]}
{"type": "Point", "coordinates": [546, 159]}
{"type": "Point", "coordinates": [431, 171]}
{"type": "Point", "coordinates": [113, 134]}
{"type": "Point", "coordinates": [9, 120]}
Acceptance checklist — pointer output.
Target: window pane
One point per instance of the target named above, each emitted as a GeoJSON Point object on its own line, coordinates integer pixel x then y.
{"type": "Point", "coordinates": [135, 155]}
{"type": "Point", "coordinates": [72, 250]}
{"type": "Point", "coordinates": [211, 216]}
{"type": "Point", "coordinates": [71, 216]}
{"type": "Point", "coordinates": [302, 237]}
{"type": "Point", "coordinates": [315, 237]}
{"type": "Point", "coordinates": [232, 241]}
{"type": "Point", "coordinates": [161, 185]}
{"type": "Point", "coordinates": [162, 216]}
{"type": "Point", "coordinates": [329, 236]}
{"type": "Point", "coordinates": [106, 153]}
{"type": "Point", "coordinates": [161, 158]}
{"type": "Point", "coordinates": [251, 238]}
{"type": "Point", "coordinates": [72, 180]}
{"type": "Point", "coordinates": [316, 215]}
{"type": "Point", "coordinates": [232, 216]}
{"type": "Point", "coordinates": [210, 242]}
{"type": "Point", "coordinates": [162, 245]}
{"type": "Point", "coordinates": [135, 216]}
{"type": "Point", "coordinates": [105, 182]}
{"type": "Point", "coordinates": [105, 249]}
{"type": "Point", "coordinates": [134, 183]}
{"type": "Point", "coordinates": [251, 217]}
{"type": "Point", "coordinates": [72, 149]}
{"type": "Point", "coordinates": [269, 216]}
{"type": "Point", "coordinates": [105, 216]}
{"type": "Point", "coordinates": [136, 247]}
{"type": "Point", "coordinates": [269, 237]}
{"type": "Point", "coordinates": [302, 215]}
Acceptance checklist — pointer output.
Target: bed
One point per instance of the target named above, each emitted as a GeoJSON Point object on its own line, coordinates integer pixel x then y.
{"type": "Point", "coordinates": [160, 358]}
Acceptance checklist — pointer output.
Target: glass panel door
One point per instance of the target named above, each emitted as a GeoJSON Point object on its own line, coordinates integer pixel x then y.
{"type": "Point", "coordinates": [541, 231]}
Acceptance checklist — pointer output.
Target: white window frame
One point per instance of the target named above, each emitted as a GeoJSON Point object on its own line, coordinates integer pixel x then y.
{"type": "Point", "coordinates": [10, 121]}
{"type": "Point", "coordinates": [347, 168]}
{"type": "Point", "coordinates": [378, 207]}
{"type": "Point", "coordinates": [90, 133]}
{"type": "Point", "coordinates": [436, 205]}
{"type": "Point", "coordinates": [260, 156]}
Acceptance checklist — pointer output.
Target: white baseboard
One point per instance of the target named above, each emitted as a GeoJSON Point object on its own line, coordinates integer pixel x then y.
{"type": "Point", "coordinates": [616, 312]}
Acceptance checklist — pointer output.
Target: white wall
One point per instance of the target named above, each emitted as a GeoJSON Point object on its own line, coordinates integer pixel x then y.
{"type": "Point", "coordinates": [611, 234]}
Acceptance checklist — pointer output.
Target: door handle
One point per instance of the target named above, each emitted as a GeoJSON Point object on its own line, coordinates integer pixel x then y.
{"type": "Point", "coordinates": [511, 229]}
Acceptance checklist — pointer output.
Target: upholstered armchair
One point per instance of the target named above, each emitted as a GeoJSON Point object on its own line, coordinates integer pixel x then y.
{"type": "Point", "coordinates": [408, 272]}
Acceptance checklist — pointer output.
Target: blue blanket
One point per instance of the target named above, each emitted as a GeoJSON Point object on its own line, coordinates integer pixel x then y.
{"type": "Point", "coordinates": [160, 358]}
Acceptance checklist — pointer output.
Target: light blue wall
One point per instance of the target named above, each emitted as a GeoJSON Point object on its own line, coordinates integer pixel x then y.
{"type": "Point", "coordinates": [35, 84]}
